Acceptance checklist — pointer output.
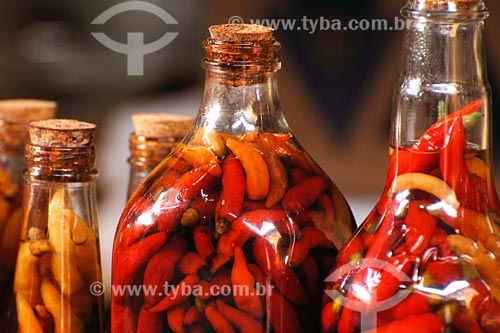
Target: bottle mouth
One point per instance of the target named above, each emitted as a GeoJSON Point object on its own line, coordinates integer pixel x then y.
{"type": "Point", "coordinates": [244, 48]}
{"type": "Point", "coordinates": [448, 10]}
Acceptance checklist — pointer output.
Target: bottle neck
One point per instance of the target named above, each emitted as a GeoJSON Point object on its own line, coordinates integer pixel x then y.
{"type": "Point", "coordinates": [248, 102]}
{"type": "Point", "coordinates": [60, 164]}
{"type": "Point", "coordinates": [443, 68]}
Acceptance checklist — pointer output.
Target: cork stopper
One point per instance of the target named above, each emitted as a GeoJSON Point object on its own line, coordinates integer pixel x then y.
{"type": "Point", "coordinates": [61, 133]}
{"type": "Point", "coordinates": [161, 125]}
{"type": "Point", "coordinates": [24, 110]}
{"type": "Point", "coordinates": [240, 33]}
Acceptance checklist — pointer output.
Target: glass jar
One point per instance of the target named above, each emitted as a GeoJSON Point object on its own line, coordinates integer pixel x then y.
{"type": "Point", "coordinates": [155, 136]}
{"type": "Point", "coordinates": [14, 115]}
{"type": "Point", "coordinates": [58, 280]}
{"type": "Point", "coordinates": [427, 258]}
{"type": "Point", "coordinates": [236, 228]}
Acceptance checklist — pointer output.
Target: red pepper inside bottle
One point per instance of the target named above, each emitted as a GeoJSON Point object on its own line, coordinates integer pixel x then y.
{"type": "Point", "coordinates": [236, 229]}
{"type": "Point", "coordinates": [427, 258]}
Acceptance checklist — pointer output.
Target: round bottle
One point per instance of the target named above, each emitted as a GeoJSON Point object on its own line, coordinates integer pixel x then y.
{"type": "Point", "coordinates": [58, 281]}
{"type": "Point", "coordinates": [235, 229]}
{"type": "Point", "coordinates": [155, 136]}
{"type": "Point", "coordinates": [427, 258]}
{"type": "Point", "coordinates": [14, 117]}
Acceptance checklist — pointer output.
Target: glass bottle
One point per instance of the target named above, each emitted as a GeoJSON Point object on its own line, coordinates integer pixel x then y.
{"type": "Point", "coordinates": [427, 258]}
{"type": "Point", "coordinates": [155, 136]}
{"type": "Point", "coordinates": [58, 280]}
{"type": "Point", "coordinates": [234, 230]}
{"type": "Point", "coordinates": [14, 115]}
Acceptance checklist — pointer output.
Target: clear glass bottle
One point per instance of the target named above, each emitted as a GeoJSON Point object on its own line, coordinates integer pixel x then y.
{"type": "Point", "coordinates": [58, 280]}
{"type": "Point", "coordinates": [234, 230]}
{"type": "Point", "coordinates": [14, 115]}
{"type": "Point", "coordinates": [427, 258]}
{"type": "Point", "coordinates": [155, 136]}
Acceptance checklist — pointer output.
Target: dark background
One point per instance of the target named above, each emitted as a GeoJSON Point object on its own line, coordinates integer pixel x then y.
{"type": "Point", "coordinates": [336, 86]}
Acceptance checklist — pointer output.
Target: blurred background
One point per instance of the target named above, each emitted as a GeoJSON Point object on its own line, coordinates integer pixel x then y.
{"type": "Point", "coordinates": [335, 86]}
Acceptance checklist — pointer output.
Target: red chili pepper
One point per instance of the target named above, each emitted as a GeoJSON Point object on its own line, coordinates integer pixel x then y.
{"type": "Point", "coordinates": [410, 160]}
{"type": "Point", "coordinates": [130, 261]}
{"type": "Point", "coordinates": [178, 295]}
{"type": "Point", "coordinates": [413, 304]}
{"type": "Point", "coordinates": [468, 188]}
{"type": "Point", "coordinates": [268, 257]}
{"type": "Point", "coordinates": [219, 323]}
{"type": "Point", "coordinates": [486, 307]}
{"type": "Point", "coordinates": [434, 137]}
{"type": "Point", "coordinates": [310, 275]}
{"type": "Point", "coordinates": [149, 322]}
{"type": "Point", "coordinates": [428, 323]}
{"type": "Point", "coordinates": [278, 177]}
{"type": "Point", "coordinates": [329, 319]}
{"type": "Point", "coordinates": [233, 189]}
{"type": "Point", "coordinates": [353, 246]}
{"type": "Point", "coordinates": [444, 272]}
{"type": "Point", "coordinates": [280, 312]}
{"type": "Point", "coordinates": [191, 263]}
{"type": "Point", "coordinates": [131, 232]}
{"type": "Point", "coordinates": [420, 227]}
{"type": "Point", "coordinates": [311, 238]}
{"type": "Point", "coordinates": [170, 178]}
{"type": "Point", "coordinates": [125, 317]}
{"type": "Point", "coordinates": [175, 317]}
{"type": "Point", "coordinates": [170, 208]}
{"type": "Point", "coordinates": [205, 205]}
{"type": "Point", "coordinates": [193, 315]}
{"type": "Point", "coordinates": [303, 195]}
{"type": "Point", "coordinates": [243, 321]}
{"type": "Point", "coordinates": [242, 279]}
{"type": "Point", "coordinates": [246, 226]}
{"type": "Point", "coordinates": [218, 282]}
{"type": "Point", "coordinates": [161, 268]}
{"type": "Point", "coordinates": [440, 242]}
{"type": "Point", "coordinates": [283, 148]}
{"type": "Point", "coordinates": [196, 328]}
{"type": "Point", "coordinates": [202, 236]}
{"type": "Point", "coordinates": [299, 175]}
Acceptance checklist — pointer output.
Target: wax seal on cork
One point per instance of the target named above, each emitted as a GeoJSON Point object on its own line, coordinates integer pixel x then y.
{"type": "Point", "coordinates": [61, 133]}
{"type": "Point", "coordinates": [24, 110]}
{"type": "Point", "coordinates": [161, 125]}
{"type": "Point", "coordinates": [240, 33]}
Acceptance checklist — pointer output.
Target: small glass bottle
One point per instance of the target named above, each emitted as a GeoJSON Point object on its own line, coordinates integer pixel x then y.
{"type": "Point", "coordinates": [233, 231]}
{"type": "Point", "coordinates": [155, 136]}
{"type": "Point", "coordinates": [14, 117]}
{"type": "Point", "coordinates": [58, 279]}
{"type": "Point", "coordinates": [427, 258]}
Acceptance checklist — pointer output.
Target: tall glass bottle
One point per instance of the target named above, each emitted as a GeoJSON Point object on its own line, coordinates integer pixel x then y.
{"type": "Point", "coordinates": [14, 117]}
{"type": "Point", "coordinates": [155, 136]}
{"type": "Point", "coordinates": [234, 230]}
{"type": "Point", "coordinates": [427, 258]}
{"type": "Point", "coordinates": [58, 279]}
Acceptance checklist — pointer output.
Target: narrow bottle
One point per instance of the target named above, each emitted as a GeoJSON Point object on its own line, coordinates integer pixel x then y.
{"type": "Point", "coordinates": [233, 231]}
{"type": "Point", "coordinates": [155, 136]}
{"type": "Point", "coordinates": [427, 258]}
{"type": "Point", "coordinates": [14, 117]}
{"type": "Point", "coordinates": [58, 279]}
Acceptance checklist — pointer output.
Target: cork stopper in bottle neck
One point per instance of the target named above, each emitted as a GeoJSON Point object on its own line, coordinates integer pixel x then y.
{"type": "Point", "coordinates": [161, 125]}
{"type": "Point", "coordinates": [25, 110]}
{"type": "Point", "coordinates": [241, 49]}
{"type": "Point", "coordinates": [61, 133]}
